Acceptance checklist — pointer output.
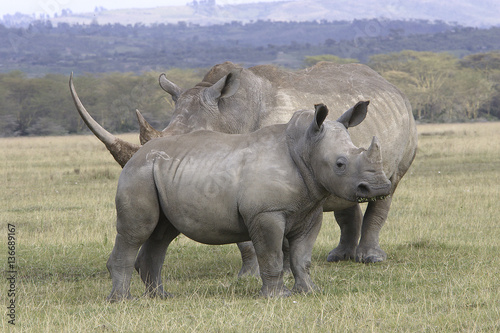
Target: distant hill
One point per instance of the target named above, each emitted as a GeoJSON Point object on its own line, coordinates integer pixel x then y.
{"type": "Point", "coordinates": [47, 48]}
{"type": "Point", "coordinates": [478, 13]}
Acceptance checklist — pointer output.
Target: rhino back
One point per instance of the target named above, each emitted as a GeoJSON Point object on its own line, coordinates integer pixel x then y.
{"type": "Point", "coordinates": [269, 95]}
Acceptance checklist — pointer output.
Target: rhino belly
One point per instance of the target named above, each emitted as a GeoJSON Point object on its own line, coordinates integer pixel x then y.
{"type": "Point", "coordinates": [205, 221]}
{"type": "Point", "coordinates": [209, 230]}
{"type": "Point", "coordinates": [201, 205]}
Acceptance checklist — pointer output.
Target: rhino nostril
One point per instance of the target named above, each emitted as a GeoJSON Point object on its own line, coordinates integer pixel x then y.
{"type": "Point", "coordinates": [363, 190]}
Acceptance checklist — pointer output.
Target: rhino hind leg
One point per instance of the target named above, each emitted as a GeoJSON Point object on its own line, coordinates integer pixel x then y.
{"type": "Point", "coordinates": [150, 260]}
{"type": "Point", "coordinates": [121, 265]}
{"type": "Point", "coordinates": [369, 250]}
{"type": "Point", "coordinates": [135, 223]}
{"type": "Point", "coordinates": [250, 265]}
{"type": "Point", "coordinates": [349, 221]}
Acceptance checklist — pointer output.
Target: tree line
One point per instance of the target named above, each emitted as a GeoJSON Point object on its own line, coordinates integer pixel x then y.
{"type": "Point", "coordinates": [43, 105]}
{"type": "Point", "coordinates": [440, 87]}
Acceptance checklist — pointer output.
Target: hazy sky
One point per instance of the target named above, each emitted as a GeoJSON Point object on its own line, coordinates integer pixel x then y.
{"type": "Point", "coordinates": [78, 6]}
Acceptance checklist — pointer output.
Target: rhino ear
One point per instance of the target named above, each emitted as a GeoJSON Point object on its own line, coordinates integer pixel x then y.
{"type": "Point", "coordinates": [320, 113]}
{"type": "Point", "coordinates": [170, 87]}
{"type": "Point", "coordinates": [354, 115]}
{"type": "Point", "coordinates": [225, 87]}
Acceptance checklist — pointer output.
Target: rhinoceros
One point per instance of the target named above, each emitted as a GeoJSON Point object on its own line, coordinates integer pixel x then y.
{"type": "Point", "coordinates": [233, 99]}
{"type": "Point", "coordinates": [275, 181]}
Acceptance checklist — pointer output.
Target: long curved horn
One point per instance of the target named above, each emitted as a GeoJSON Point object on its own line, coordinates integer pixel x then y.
{"type": "Point", "coordinates": [169, 87]}
{"type": "Point", "coordinates": [147, 132]}
{"type": "Point", "coordinates": [121, 150]}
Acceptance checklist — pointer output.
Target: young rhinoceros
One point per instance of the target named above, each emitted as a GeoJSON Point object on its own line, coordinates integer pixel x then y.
{"type": "Point", "coordinates": [218, 188]}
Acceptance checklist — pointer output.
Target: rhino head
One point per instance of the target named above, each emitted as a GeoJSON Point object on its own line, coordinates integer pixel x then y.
{"type": "Point", "coordinates": [199, 107]}
{"type": "Point", "coordinates": [334, 162]}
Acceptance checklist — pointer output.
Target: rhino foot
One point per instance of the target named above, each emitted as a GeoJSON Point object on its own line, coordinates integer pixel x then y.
{"type": "Point", "coordinates": [304, 289]}
{"type": "Point", "coordinates": [115, 298]}
{"type": "Point", "coordinates": [370, 255]}
{"type": "Point", "coordinates": [341, 253]}
{"type": "Point", "coordinates": [161, 294]}
{"type": "Point", "coordinates": [275, 292]}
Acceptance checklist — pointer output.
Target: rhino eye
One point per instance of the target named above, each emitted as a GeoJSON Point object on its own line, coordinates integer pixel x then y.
{"type": "Point", "coordinates": [341, 164]}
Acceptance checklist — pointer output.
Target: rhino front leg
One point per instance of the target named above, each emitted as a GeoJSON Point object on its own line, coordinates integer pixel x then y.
{"type": "Point", "coordinates": [301, 248]}
{"type": "Point", "coordinates": [266, 232]}
{"type": "Point", "coordinates": [369, 250]}
{"type": "Point", "coordinates": [150, 260]}
{"type": "Point", "coordinates": [349, 221]}
{"type": "Point", "coordinates": [250, 265]}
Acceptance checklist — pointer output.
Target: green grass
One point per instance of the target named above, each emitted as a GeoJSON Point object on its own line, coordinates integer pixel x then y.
{"type": "Point", "coordinates": [442, 238]}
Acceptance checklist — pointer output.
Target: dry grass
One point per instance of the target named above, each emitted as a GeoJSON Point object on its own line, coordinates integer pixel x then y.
{"type": "Point", "coordinates": [442, 239]}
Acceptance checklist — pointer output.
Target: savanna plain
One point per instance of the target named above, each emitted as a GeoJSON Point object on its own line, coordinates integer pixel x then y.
{"type": "Point", "coordinates": [442, 238]}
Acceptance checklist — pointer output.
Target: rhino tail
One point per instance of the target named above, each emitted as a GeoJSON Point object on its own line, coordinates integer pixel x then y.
{"type": "Point", "coordinates": [160, 163]}
{"type": "Point", "coordinates": [147, 132]}
{"type": "Point", "coordinates": [121, 150]}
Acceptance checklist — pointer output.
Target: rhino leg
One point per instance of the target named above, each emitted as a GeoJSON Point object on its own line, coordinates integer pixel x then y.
{"type": "Point", "coordinates": [368, 250]}
{"type": "Point", "coordinates": [349, 221]}
{"type": "Point", "coordinates": [121, 265]}
{"type": "Point", "coordinates": [286, 256]}
{"type": "Point", "coordinates": [301, 248]}
{"type": "Point", "coordinates": [266, 232]}
{"type": "Point", "coordinates": [250, 265]}
{"type": "Point", "coordinates": [150, 260]}
{"type": "Point", "coordinates": [136, 221]}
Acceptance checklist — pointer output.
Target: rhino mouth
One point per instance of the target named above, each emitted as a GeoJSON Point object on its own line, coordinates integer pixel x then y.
{"type": "Point", "coordinates": [379, 197]}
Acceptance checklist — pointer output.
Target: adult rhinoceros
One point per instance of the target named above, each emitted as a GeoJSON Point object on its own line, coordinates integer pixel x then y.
{"type": "Point", "coordinates": [305, 161]}
{"type": "Point", "coordinates": [232, 99]}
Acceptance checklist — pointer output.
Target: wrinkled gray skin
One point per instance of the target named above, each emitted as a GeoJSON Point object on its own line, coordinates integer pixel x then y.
{"type": "Point", "coordinates": [217, 188]}
{"type": "Point", "coordinates": [235, 100]}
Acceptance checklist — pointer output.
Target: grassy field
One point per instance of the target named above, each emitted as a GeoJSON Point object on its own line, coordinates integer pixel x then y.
{"type": "Point", "coordinates": [442, 238]}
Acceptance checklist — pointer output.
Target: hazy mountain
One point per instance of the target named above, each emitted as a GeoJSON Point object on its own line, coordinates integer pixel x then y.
{"type": "Point", "coordinates": [478, 13]}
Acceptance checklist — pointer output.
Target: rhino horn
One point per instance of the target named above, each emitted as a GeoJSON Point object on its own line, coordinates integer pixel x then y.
{"type": "Point", "coordinates": [373, 154]}
{"type": "Point", "coordinates": [147, 132]}
{"type": "Point", "coordinates": [121, 150]}
{"type": "Point", "coordinates": [170, 87]}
